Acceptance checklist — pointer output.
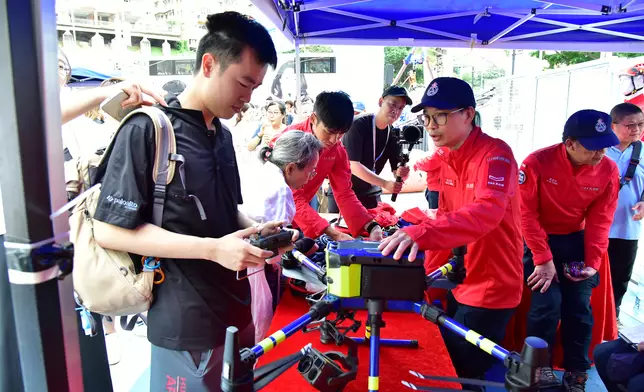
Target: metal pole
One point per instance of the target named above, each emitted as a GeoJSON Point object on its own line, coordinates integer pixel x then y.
{"type": "Point", "coordinates": [31, 177]}
{"type": "Point", "coordinates": [514, 56]}
{"type": "Point", "coordinates": [298, 80]}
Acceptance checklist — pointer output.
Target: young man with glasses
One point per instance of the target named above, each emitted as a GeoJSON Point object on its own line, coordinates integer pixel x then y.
{"type": "Point", "coordinates": [568, 199]}
{"type": "Point", "coordinates": [628, 124]}
{"type": "Point", "coordinates": [478, 208]}
{"type": "Point", "coordinates": [370, 143]}
{"type": "Point", "coordinates": [331, 118]}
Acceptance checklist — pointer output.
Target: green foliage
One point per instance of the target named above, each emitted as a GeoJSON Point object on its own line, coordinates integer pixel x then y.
{"type": "Point", "coordinates": [312, 49]}
{"type": "Point", "coordinates": [565, 58]}
{"type": "Point", "coordinates": [395, 55]}
{"type": "Point", "coordinates": [182, 46]}
{"type": "Point", "coordinates": [480, 77]}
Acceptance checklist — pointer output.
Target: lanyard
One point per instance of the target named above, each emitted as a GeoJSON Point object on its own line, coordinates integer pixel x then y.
{"type": "Point", "coordinates": [374, 142]}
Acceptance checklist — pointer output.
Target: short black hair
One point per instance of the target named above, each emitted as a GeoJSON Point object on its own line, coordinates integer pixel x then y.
{"type": "Point", "coordinates": [624, 110]}
{"type": "Point", "coordinates": [571, 138]}
{"type": "Point", "coordinates": [279, 104]}
{"type": "Point", "coordinates": [335, 110]}
{"type": "Point", "coordinates": [290, 103]}
{"type": "Point", "coordinates": [175, 87]}
{"type": "Point", "coordinates": [229, 33]}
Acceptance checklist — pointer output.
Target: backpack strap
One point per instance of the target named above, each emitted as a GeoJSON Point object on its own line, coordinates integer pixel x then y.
{"type": "Point", "coordinates": [632, 165]}
{"type": "Point", "coordinates": [164, 164]}
{"type": "Point", "coordinates": [163, 170]}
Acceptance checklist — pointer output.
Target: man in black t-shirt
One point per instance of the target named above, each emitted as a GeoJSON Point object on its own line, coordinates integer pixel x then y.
{"type": "Point", "coordinates": [201, 242]}
{"type": "Point", "coordinates": [370, 143]}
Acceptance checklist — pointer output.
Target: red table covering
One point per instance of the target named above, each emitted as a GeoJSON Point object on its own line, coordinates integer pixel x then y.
{"type": "Point", "coordinates": [430, 358]}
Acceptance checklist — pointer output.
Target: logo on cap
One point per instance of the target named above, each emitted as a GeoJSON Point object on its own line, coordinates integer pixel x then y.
{"type": "Point", "coordinates": [600, 126]}
{"type": "Point", "coordinates": [432, 90]}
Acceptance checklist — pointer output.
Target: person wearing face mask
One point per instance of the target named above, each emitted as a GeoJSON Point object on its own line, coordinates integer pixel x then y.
{"type": "Point", "coordinates": [632, 81]}
{"type": "Point", "coordinates": [568, 200]}
{"type": "Point", "coordinates": [202, 242]}
{"type": "Point", "coordinates": [478, 208]}
{"type": "Point", "coordinates": [370, 143]}
{"type": "Point", "coordinates": [331, 118]}
{"type": "Point", "coordinates": [287, 167]}
{"type": "Point", "coordinates": [628, 124]}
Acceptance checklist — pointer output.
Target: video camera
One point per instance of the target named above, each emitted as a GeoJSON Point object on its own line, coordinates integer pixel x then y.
{"type": "Point", "coordinates": [409, 134]}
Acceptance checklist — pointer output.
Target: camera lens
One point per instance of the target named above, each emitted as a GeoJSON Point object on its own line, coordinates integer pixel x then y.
{"type": "Point", "coordinates": [304, 365]}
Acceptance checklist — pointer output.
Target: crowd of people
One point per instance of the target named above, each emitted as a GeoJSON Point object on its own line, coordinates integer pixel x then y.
{"type": "Point", "coordinates": [546, 223]}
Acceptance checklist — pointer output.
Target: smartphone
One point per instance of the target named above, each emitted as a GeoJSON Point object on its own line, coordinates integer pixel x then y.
{"type": "Point", "coordinates": [112, 106]}
{"type": "Point", "coordinates": [273, 242]}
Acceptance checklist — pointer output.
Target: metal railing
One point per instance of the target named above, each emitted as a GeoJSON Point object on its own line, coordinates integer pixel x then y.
{"type": "Point", "coordinates": [144, 28]}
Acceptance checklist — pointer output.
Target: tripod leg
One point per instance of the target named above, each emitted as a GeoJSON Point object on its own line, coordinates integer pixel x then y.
{"type": "Point", "coordinates": [375, 308]}
{"type": "Point", "coordinates": [390, 342]}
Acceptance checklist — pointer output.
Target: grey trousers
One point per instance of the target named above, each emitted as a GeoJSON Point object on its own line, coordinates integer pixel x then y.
{"type": "Point", "coordinates": [191, 371]}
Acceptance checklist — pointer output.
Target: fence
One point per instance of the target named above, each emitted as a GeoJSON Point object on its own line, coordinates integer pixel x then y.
{"type": "Point", "coordinates": [529, 112]}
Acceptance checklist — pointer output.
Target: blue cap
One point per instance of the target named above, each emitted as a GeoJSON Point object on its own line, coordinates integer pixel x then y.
{"type": "Point", "coordinates": [592, 129]}
{"type": "Point", "coordinates": [358, 106]}
{"type": "Point", "coordinates": [447, 93]}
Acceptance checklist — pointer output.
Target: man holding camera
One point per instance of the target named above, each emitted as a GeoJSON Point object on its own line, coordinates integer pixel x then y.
{"type": "Point", "coordinates": [370, 143]}
{"type": "Point", "coordinates": [568, 199]}
{"type": "Point", "coordinates": [479, 207]}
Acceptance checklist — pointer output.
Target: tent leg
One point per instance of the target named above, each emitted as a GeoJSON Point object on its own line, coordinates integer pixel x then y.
{"type": "Point", "coordinates": [298, 76]}
{"type": "Point", "coordinates": [31, 176]}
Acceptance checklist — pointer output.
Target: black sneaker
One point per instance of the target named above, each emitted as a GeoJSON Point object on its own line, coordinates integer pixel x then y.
{"type": "Point", "coordinates": [575, 381]}
{"type": "Point", "coordinates": [547, 378]}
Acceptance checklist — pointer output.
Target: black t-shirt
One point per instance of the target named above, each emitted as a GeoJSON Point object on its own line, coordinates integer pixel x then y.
{"type": "Point", "coordinates": [358, 142]}
{"type": "Point", "coordinates": [199, 299]}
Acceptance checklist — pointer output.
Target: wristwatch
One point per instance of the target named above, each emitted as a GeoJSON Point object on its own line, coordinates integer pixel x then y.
{"type": "Point", "coordinates": [372, 226]}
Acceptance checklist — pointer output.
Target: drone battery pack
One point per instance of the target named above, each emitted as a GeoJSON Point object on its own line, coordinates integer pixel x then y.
{"type": "Point", "coordinates": [358, 269]}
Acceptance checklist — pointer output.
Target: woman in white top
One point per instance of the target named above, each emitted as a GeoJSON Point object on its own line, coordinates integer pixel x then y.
{"type": "Point", "coordinates": [287, 166]}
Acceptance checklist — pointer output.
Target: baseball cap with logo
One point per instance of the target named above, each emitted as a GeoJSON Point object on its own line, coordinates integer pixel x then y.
{"type": "Point", "coordinates": [397, 91]}
{"type": "Point", "coordinates": [447, 93]}
{"type": "Point", "coordinates": [592, 129]}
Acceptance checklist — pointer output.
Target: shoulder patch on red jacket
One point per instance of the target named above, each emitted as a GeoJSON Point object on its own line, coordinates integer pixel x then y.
{"type": "Point", "coordinates": [498, 171]}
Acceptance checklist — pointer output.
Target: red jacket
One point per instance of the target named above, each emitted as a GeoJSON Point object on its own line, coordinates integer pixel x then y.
{"type": "Point", "coordinates": [334, 165]}
{"type": "Point", "coordinates": [558, 198]}
{"type": "Point", "coordinates": [479, 207]}
{"type": "Point", "coordinates": [431, 165]}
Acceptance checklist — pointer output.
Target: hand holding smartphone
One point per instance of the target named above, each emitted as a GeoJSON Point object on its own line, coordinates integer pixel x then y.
{"type": "Point", "coordinates": [113, 106]}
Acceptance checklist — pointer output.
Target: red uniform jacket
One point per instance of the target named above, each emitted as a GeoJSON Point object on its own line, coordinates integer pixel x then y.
{"type": "Point", "coordinates": [559, 198]}
{"type": "Point", "coordinates": [479, 207]}
{"type": "Point", "coordinates": [334, 165]}
{"type": "Point", "coordinates": [431, 165]}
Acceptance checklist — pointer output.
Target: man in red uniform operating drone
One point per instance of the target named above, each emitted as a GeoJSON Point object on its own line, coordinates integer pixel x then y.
{"type": "Point", "coordinates": [478, 207]}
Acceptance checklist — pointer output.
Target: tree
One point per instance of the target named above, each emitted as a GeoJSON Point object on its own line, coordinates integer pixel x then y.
{"type": "Point", "coordinates": [313, 49]}
{"type": "Point", "coordinates": [562, 59]}
{"type": "Point", "coordinates": [395, 55]}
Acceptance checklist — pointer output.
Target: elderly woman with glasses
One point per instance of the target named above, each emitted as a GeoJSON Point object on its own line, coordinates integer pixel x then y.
{"type": "Point", "coordinates": [274, 125]}
{"type": "Point", "coordinates": [287, 166]}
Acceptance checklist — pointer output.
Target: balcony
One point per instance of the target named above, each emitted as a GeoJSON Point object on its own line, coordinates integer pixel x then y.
{"type": "Point", "coordinates": [161, 30]}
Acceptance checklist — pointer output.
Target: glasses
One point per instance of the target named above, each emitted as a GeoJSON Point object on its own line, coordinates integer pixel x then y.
{"type": "Point", "coordinates": [439, 119]}
{"type": "Point", "coordinates": [395, 108]}
{"type": "Point", "coordinates": [272, 113]}
{"type": "Point", "coordinates": [62, 67]}
{"type": "Point", "coordinates": [634, 126]}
